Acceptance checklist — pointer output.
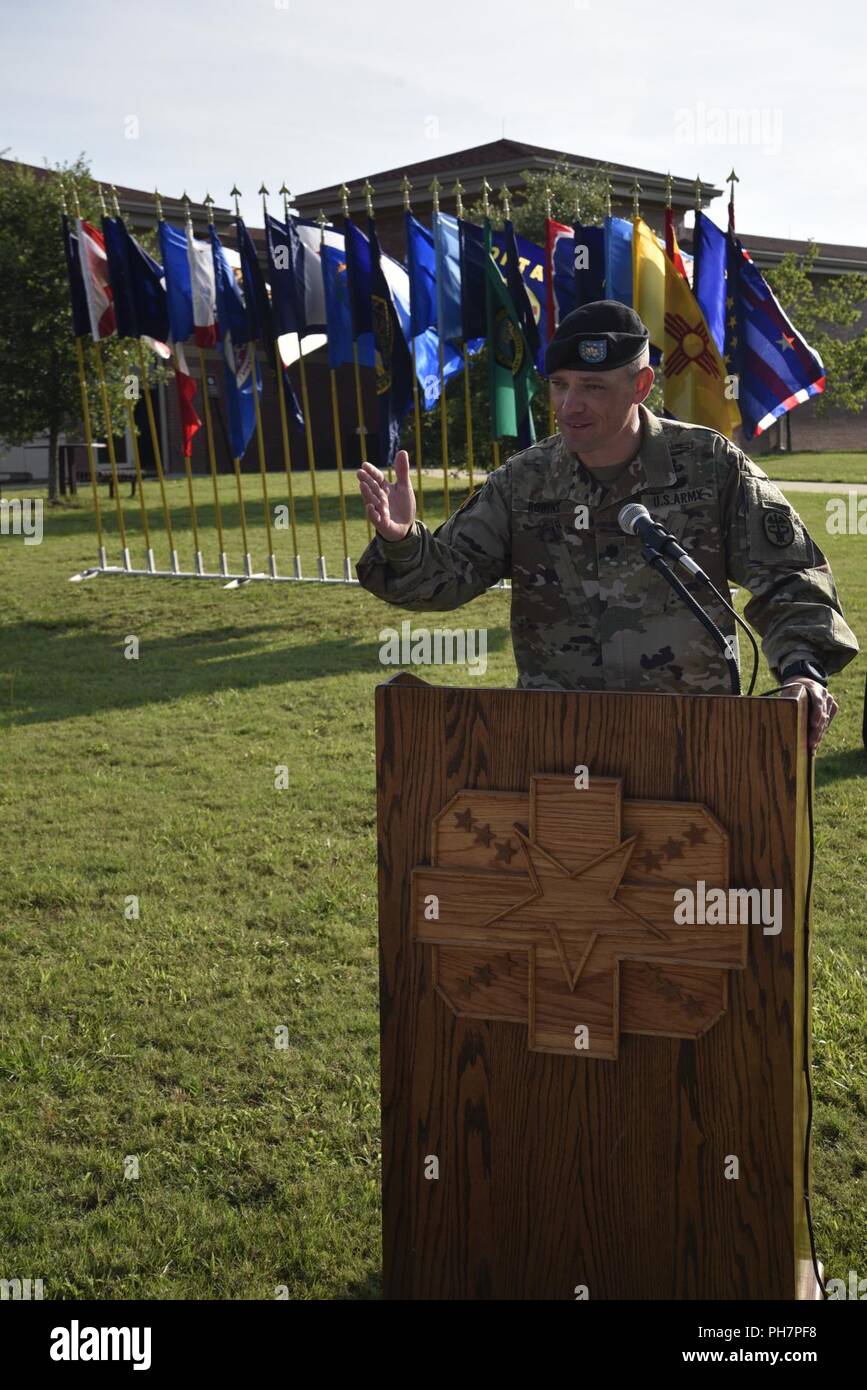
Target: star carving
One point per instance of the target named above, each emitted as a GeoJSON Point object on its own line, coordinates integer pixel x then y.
{"type": "Point", "coordinates": [554, 909]}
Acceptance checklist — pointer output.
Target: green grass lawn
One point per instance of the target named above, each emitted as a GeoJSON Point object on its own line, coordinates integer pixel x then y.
{"type": "Point", "coordinates": [154, 1039]}
{"type": "Point", "coordinates": [820, 468]}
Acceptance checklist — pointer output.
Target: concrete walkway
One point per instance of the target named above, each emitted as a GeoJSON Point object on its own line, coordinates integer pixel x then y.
{"type": "Point", "coordinates": [837, 488]}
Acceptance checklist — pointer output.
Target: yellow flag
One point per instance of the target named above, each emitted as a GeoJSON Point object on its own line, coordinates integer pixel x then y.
{"type": "Point", "coordinates": [648, 279]}
{"type": "Point", "coordinates": [693, 374]}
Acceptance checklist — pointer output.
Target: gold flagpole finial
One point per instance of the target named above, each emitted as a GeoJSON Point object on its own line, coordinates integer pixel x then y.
{"type": "Point", "coordinates": [577, 208]}
{"type": "Point", "coordinates": [368, 196]}
{"type": "Point", "coordinates": [435, 190]}
{"type": "Point", "coordinates": [344, 200]}
{"type": "Point", "coordinates": [636, 189]}
{"type": "Point", "coordinates": [62, 190]}
{"type": "Point", "coordinates": [208, 205]}
{"type": "Point", "coordinates": [102, 200]}
{"type": "Point", "coordinates": [287, 199]}
{"type": "Point", "coordinates": [115, 205]}
{"type": "Point", "coordinates": [407, 189]}
{"type": "Point", "coordinates": [188, 212]}
{"type": "Point", "coordinates": [459, 201]}
{"type": "Point", "coordinates": [697, 187]}
{"type": "Point", "coordinates": [234, 192]}
{"type": "Point", "coordinates": [505, 202]}
{"type": "Point", "coordinates": [322, 221]}
{"type": "Point", "coordinates": [263, 194]}
{"type": "Point", "coordinates": [486, 202]}
{"type": "Point", "coordinates": [158, 204]}
{"type": "Point", "coordinates": [607, 194]}
{"type": "Point", "coordinates": [668, 186]}
{"type": "Point", "coordinates": [548, 202]}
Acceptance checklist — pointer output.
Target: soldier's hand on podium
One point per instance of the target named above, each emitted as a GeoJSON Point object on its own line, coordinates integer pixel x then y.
{"type": "Point", "coordinates": [390, 506]}
{"type": "Point", "coordinates": [823, 707]}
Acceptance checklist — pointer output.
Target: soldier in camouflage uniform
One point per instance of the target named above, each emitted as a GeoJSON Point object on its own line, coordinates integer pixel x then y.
{"type": "Point", "coordinates": [587, 611]}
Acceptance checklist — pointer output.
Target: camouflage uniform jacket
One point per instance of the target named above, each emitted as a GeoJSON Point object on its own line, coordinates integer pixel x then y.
{"type": "Point", "coordinates": [587, 612]}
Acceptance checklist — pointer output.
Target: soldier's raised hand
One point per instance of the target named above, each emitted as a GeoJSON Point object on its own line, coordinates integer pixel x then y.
{"type": "Point", "coordinates": [390, 506]}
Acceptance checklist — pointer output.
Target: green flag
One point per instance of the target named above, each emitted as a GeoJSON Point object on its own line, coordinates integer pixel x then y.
{"type": "Point", "coordinates": [510, 364]}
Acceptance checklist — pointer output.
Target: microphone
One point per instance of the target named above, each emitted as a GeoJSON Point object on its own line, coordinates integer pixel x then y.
{"type": "Point", "coordinates": [636, 520]}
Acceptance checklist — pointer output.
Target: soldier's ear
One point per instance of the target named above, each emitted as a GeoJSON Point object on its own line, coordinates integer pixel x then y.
{"type": "Point", "coordinates": [643, 382]}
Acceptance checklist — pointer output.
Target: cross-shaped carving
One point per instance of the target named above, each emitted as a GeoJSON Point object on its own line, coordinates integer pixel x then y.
{"type": "Point", "coordinates": [557, 910]}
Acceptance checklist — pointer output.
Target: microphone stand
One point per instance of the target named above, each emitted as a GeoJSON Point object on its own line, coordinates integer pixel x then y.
{"type": "Point", "coordinates": [662, 568]}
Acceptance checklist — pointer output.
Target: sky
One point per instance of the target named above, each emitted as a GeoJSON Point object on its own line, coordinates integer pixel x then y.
{"type": "Point", "coordinates": [201, 94]}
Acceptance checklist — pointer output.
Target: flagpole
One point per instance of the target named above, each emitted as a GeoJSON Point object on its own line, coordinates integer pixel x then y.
{"type": "Point", "coordinates": [308, 424]}
{"type": "Point", "coordinates": [552, 425]}
{"type": "Point", "coordinates": [731, 181]}
{"type": "Point", "coordinates": [109, 437]}
{"type": "Point", "coordinates": [284, 425]}
{"type": "Point", "coordinates": [206, 404]}
{"type": "Point", "coordinates": [86, 424]}
{"type": "Point", "coordinates": [407, 187]}
{"type": "Point", "coordinates": [236, 462]}
{"type": "Point", "coordinates": [154, 440]}
{"type": "Point", "coordinates": [362, 428]}
{"type": "Point", "coordinates": [444, 421]}
{"type": "Point", "coordinates": [486, 208]}
{"type": "Point", "coordinates": [130, 417]}
{"type": "Point", "coordinates": [335, 418]}
{"type": "Point", "coordinates": [257, 408]}
{"type": "Point", "coordinates": [468, 408]}
{"type": "Point", "coordinates": [200, 568]}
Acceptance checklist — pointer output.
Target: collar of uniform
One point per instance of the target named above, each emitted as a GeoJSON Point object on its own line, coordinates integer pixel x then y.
{"type": "Point", "coordinates": [651, 470]}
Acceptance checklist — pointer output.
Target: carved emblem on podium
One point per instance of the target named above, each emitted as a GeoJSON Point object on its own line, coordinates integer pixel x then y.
{"type": "Point", "coordinates": [556, 910]}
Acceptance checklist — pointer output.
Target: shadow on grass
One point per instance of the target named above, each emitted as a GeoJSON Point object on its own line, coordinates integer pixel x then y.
{"type": "Point", "coordinates": [836, 767]}
{"type": "Point", "coordinates": [55, 671]}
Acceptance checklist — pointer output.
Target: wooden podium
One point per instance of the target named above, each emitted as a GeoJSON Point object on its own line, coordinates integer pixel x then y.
{"type": "Point", "coordinates": [583, 1094]}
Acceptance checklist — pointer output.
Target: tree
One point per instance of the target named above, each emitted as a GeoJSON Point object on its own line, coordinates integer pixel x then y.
{"type": "Point", "coordinates": [40, 385]}
{"type": "Point", "coordinates": [813, 310]}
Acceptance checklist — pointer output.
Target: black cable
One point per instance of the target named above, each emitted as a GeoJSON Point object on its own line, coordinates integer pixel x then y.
{"type": "Point", "coordinates": [808, 894]}
{"type": "Point", "coordinates": [738, 619]}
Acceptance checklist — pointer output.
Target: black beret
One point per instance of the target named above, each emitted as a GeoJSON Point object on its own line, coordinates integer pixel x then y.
{"type": "Point", "coordinates": [597, 338]}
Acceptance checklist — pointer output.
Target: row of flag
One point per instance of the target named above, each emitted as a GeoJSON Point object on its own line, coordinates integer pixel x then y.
{"type": "Point", "coordinates": [729, 355]}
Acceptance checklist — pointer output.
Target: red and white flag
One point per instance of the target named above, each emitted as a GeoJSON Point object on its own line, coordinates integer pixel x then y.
{"type": "Point", "coordinates": [204, 292]}
{"type": "Point", "coordinates": [190, 422]}
{"type": "Point", "coordinates": [97, 286]}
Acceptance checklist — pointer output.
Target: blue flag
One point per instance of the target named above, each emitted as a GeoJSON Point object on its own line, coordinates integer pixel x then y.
{"type": "Point", "coordinates": [176, 267]}
{"type": "Point", "coordinates": [359, 279]}
{"type": "Point", "coordinates": [260, 319]}
{"type": "Point", "coordinates": [710, 247]}
{"type": "Point", "coordinates": [618, 260]}
{"type": "Point", "coordinates": [393, 360]}
{"type": "Point", "coordinates": [421, 264]}
{"type": "Point", "coordinates": [473, 274]}
{"type": "Point", "coordinates": [776, 368]}
{"type": "Point", "coordinates": [239, 353]}
{"type": "Point", "coordinates": [427, 344]}
{"type": "Point", "coordinates": [339, 317]}
{"type": "Point", "coordinates": [448, 276]}
{"type": "Point", "coordinates": [77, 295]}
{"type": "Point", "coordinates": [281, 241]}
{"type": "Point", "coordinates": [141, 309]}
{"type": "Point", "coordinates": [590, 265]}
